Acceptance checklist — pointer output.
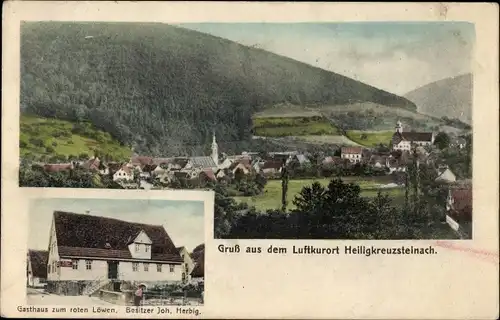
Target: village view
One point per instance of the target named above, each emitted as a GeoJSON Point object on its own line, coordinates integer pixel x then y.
{"type": "Point", "coordinates": [417, 185]}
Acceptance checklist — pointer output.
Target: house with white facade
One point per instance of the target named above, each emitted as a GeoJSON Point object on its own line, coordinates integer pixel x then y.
{"type": "Point", "coordinates": [121, 172]}
{"type": "Point", "coordinates": [445, 175]}
{"type": "Point", "coordinates": [188, 265]}
{"type": "Point", "coordinates": [353, 154]}
{"type": "Point", "coordinates": [36, 268]}
{"type": "Point", "coordinates": [405, 140]}
{"type": "Point", "coordinates": [88, 252]}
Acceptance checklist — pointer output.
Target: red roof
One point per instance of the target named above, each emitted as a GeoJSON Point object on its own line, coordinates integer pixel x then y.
{"type": "Point", "coordinates": [210, 174]}
{"type": "Point", "coordinates": [57, 167]}
{"type": "Point", "coordinates": [462, 203]}
{"type": "Point", "coordinates": [272, 165]}
{"type": "Point", "coordinates": [352, 150]}
{"type": "Point", "coordinates": [141, 160]}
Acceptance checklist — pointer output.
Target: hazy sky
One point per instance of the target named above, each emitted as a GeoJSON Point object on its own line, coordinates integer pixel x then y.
{"type": "Point", "coordinates": [183, 220]}
{"type": "Point", "coordinates": [397, 57]}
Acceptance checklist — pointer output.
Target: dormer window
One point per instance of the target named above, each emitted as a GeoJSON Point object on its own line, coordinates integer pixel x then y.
{"type": "Point", "coordinates": [107, 245]}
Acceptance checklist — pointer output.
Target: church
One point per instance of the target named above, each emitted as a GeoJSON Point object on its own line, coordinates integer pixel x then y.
{"type": "Point", "coordinates": [405, 140]}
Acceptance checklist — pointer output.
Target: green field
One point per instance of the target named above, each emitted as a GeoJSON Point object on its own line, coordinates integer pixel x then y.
{"type": "Point", "coordinates": [293, 126]}
{"type": "Point", "coordinates": [271, 198]}
{"type": "Point", "coordinates": [45, 138]}
{"type": "Point", "coordinates": [370, 138]}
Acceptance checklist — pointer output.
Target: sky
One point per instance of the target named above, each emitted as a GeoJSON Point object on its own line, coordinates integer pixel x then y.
{"type": "Point", "coordinates": [394, 56]}
{"type": "Point", "coordinates": [183, 220]}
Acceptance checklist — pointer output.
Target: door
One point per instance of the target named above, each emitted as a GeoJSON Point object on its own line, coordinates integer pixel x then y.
{"type": "Point", "coordinates": [112, 269]}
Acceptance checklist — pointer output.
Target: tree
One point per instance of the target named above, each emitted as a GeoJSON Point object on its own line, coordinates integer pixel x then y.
{"type": "Point", "coordinates": [442, 140]}
{"type": "Point", "coordinates": [284, 186]}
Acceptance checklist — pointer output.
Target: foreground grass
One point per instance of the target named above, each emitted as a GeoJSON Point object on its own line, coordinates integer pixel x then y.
{"type": "Point", "coordinates": [370, 138]}
{"type": "Point", "coordinates": [42, 137]}
{"type": "Point", "coordinates": [271, 198]}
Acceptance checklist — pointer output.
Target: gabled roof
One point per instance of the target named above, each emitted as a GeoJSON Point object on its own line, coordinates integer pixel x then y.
{"type": "Point", "coordinates": [57, 167]}
{"type": "Point", "coordinates": [411, 136]}
{"type": "Point", "coordinates": [352, 150]}
{"type": "Point", "coordinates": [38, 260]}
{"type": "Point", "coordinates": [92, 164]}
{"type": "Point", "coordinates": [141, 160]}
{"type": "Point", "coordinates": [149, 167]}
{"type": "Point", "coordinates": [159, 161]}
{"type": "Point", "coordinates": [203, 162]}
{"type": "Point", "coordinates": [272, 164]}
{"type": "Point", "coordinates": [80, 235]}
{"type": "Point", "coordinates": [302, 158]}
{"type": "Point", "coordinates": [210, 174]}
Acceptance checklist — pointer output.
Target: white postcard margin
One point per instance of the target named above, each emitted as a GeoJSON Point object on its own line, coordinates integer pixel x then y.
{"type": "Point", "coordinates": [453, 284]}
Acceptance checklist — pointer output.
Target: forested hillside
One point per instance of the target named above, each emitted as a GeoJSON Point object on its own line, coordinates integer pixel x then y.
{"type": "Point", "coordinates": [451, 98]}
{"type": "Point", "coordinates": [163, 89]}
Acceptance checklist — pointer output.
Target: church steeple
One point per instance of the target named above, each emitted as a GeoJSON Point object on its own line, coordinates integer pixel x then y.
{"type": "Point", "coordinates": [399, 127]}
{"type": "Point", "coordinates": [215, 150]}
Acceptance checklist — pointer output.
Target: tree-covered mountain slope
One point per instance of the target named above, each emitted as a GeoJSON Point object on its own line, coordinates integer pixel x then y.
{"type": "Point", "coordinates": [161, 89]}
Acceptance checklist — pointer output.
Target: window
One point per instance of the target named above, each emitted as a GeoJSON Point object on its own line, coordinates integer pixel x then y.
{"type": "Point", "coordinates": [88, 264]}
{"type": "Point", "coordinates": [158, 268]}
{"type": "Point", "coordinates": [183, 277]}
{"type": "Point", "coordinates": [171, 268]}
{"type": "Point", "coordinates": [137, 247]}
{"type": "Point", "coordinates": [49, 268]}
{"type": "Point", "coordinates": [146, 267]}
{"type": "Point", "coordinates": [135, 266]}
{"type": "Point", "coordinates": [147, 248]}
{"type": "Point", "coordinates": [74, 264]}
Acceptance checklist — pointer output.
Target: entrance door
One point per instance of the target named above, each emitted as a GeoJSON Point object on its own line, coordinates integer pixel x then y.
{"type": "Point", "coordinates": [112, 269]}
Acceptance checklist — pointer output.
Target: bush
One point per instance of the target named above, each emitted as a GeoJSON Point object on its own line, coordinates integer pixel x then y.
{"type": "Point", "coordinates": [49, 149]}
{"type": "Point", "coordinates": [22, 144]}
{"type": "Point", "coordinates": [54, 144]}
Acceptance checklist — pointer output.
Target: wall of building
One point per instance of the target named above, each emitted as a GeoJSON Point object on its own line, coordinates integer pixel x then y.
{"type": "Point", "coordinates": [99, 269]}
{"type": "Point", "coordinates": [126, 272]}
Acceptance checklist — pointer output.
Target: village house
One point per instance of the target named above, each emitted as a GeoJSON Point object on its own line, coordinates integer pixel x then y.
{"type": "Point", "coordinates": [244, 165]}
{"type": "Point", "coordinates": [121, 172]}
{"type": "Point", "coordinates": [378, 161]}
{"type": "Point", "coordinates": [188, 264]}
{"type": "Point", "coordinates": [95, 164]}
{"type": "Point", "coordinates": [405, 140]}
{"type": "Point", "coordinates": [353, 154]}
{"type": "Point", "coordinates": [36, 268]}
{"type": "Point", "coordinates": [459, 210]}
{"type": "Point", "coordinates": [272, 167]}
{"type": "Point", "coordinates": [88, 252]}
{"type": "Point", "coordinates": [445, 175]}
{"type": "Point", "coordinates": [58, 167]}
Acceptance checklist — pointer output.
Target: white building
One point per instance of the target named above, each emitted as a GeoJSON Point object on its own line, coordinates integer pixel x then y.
{"type": "Point", "coordinates": [122, 172]}
{"type": "Point", "coordinates": [36, 268]}
{"type": "Point", "coordinates": [353, 154]}
{"type": "Point", "coordinates": [405, 140]}
{"type": "Point", "coordinates": [188, 264]}
{"type": "Point", "coordinates": [86, 249]}
{"type": "Point", "coordinates": [215, 152]}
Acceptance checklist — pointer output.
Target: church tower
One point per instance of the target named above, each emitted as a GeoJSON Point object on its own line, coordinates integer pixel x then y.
{"type": "Point", "coordinates": [215, 150]}
{"type": "Point", "coordinates": [399, 127]}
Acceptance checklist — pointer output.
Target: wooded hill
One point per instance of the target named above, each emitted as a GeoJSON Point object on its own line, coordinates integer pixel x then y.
{"type": "Point", "coordinates": [163, 89]}
{"type": "Point", "coordinates": [450, 97]}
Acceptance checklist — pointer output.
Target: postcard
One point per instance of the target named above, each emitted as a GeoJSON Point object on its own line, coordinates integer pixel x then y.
{"type": "Point", "coordinates": [336, 160]}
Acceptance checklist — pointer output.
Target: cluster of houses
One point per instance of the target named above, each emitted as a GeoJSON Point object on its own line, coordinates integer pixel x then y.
{"type": "Point", "coordinates": [89, 255]}
{"type": "Point", "coordinates": [140, 171]}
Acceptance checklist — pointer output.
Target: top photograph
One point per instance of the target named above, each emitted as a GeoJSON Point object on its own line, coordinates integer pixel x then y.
{"type": "Point", "coordinates": [362, 130]}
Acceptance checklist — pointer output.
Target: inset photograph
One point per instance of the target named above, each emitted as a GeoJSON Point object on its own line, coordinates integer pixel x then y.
{"type": "Point", "coordinates": [91, 252]}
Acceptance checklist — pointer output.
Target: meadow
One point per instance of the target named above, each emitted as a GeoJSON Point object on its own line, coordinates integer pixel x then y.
{"type": "Point", "coordinates": [293, 126]}
{"type": "Point", "coordinates": [370, 138]}
{"type": "Point", "coordinates": [271, 197]}
{"type": "Point", "coordinates": [45, 138]}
